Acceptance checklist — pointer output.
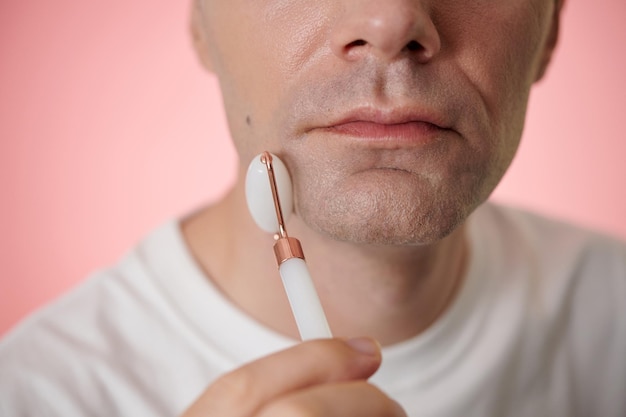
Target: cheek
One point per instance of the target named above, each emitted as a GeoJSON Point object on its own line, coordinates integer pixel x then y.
{"type": "Point", "coordinates": [499, 53]}
{"type": "Point", "coordinates": [257, 54]}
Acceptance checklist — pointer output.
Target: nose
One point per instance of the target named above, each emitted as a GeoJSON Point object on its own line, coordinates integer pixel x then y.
{"type": "Point", "coordinates": [386, 29]}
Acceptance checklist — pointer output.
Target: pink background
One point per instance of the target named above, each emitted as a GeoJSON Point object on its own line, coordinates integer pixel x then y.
{"type": "Point", "coordinates": [108, 127]}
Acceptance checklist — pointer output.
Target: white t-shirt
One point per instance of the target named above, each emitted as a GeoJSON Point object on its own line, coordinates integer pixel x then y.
{"type": "Point", "coordinates": [538, 329]}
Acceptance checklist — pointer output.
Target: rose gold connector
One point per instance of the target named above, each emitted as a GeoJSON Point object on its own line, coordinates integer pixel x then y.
{"type": "Point", "coordinates": [286, 248]}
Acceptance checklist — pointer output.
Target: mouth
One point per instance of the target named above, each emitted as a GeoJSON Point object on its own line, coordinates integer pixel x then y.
{"type": "Point", "coordinates": [400, 132]}
{"type": "Point", "coordinates": [387, 128]}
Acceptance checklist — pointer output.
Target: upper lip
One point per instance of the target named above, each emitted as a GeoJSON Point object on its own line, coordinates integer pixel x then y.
{"type": "Point", "coordinates": [389, 116]}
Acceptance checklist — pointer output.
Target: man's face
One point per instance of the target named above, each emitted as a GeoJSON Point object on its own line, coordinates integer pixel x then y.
{"type": "Point", "coordinates": [396, 118]}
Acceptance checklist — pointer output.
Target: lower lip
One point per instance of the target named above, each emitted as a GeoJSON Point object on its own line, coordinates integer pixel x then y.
{"type": "Point", "coordinates": [410, 133]}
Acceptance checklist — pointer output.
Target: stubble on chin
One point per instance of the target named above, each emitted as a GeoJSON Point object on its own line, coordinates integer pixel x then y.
{"type": "Point", "coordinates": [387, 212]}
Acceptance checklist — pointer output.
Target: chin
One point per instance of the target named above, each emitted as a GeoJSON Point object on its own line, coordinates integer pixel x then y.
{"type": "Point", "coordinates": [390, 216]}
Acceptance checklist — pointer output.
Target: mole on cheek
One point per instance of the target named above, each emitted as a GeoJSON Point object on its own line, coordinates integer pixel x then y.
{"type": "Point", "coordinates": [248, 121]}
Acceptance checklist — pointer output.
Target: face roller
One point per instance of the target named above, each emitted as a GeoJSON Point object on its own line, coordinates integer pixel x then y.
{"type": "Point", "coordinates": [267, 210]}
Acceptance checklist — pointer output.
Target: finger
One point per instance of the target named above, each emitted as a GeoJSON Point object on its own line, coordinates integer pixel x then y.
{"type": "Point", "coordinates": [355, 398]}
{"type": "Point", "coordinates": [243, 391]}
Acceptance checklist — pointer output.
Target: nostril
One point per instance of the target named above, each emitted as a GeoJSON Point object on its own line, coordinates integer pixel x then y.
{"type": "Point", "coordinates": [414, 46]}
{"type": "Point", "coordinates": [358, 42]}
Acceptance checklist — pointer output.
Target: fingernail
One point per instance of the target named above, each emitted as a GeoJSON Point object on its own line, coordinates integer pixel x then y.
{"type": "Point", "coordinates": [364, 345]}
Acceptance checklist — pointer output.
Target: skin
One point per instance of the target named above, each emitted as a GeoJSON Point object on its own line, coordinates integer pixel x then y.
{"type": "Point", "coordinates": [321, 378]}
{"type": "Point", "coordinates": [381, 221]}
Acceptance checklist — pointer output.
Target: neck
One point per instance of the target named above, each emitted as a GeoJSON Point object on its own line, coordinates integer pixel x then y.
{"type": "Point", "coordinates": [389, 293]}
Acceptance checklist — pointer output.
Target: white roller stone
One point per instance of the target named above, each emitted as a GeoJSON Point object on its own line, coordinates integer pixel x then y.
{"type": "Point", "coordinates": [259, 193]}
